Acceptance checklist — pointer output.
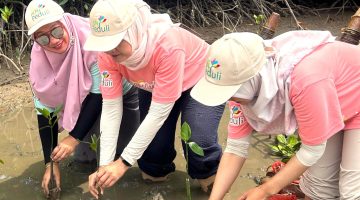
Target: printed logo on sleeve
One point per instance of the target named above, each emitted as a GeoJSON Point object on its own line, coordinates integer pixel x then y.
{"type": "Point", "coordinates": [236, 116]}
{"type": "Point", "coordinates": [106, 80]}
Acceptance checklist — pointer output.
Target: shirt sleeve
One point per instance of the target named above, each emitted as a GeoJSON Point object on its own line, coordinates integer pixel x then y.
{"type": "Point", "coordinates": [169, 77]}
{"type": "Point", "coordinates": [318, 112]}
{"type": "Point", "coordinates": [111, 78]}
{"type": "Point", "coordinates": [238, 127]}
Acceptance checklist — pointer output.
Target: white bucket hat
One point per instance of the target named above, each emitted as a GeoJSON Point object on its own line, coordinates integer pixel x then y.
{"type": "Point", "coordinates": [109, 21]}
{"type": "Point", "coordinates": [233, 59]}
{"type": "Point", "coordinates": [41, 12]}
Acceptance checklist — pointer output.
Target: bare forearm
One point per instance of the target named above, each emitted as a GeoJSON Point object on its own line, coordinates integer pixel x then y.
{"type": "Point", "coordinates": [292, 171]}
{"type": "Point", "coordinates": [229, 168]}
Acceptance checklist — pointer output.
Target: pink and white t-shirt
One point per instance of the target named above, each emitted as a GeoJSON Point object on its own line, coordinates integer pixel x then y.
{"type": "Point", "coordinates": [176, 65]}
{"type": "Point", "coordinates": [324, 92]}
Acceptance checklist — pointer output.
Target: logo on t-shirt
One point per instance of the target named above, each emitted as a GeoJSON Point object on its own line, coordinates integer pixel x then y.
{"type": "Point", "coordinates": [106, 80]}
{"type": "Point", "coordinates": [145, 85]}
{"type": "Point", "coordinates": [236, 116]}
{"type": "Point", "coordinates": [212, 67]}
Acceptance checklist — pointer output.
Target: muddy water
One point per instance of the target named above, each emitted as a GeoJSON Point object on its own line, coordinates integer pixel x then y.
{"type": "Point", "coordinates": [20, 176]}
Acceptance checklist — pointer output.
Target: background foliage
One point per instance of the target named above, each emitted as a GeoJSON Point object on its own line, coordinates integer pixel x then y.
{"type": "Point", "coordinates": [14, 42]}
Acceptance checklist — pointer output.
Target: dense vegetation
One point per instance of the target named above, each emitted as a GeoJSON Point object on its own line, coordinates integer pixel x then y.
{"type": "Point", "coordinates": [14, 41]}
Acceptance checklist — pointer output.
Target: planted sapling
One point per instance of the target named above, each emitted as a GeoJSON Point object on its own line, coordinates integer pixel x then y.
{"type": "Point", "coordinates": [185, 136]}
{"type": "Point", "coordinates": [286, 147]}
{"type": "Point", "coordinates": [54, 191]}
{"type": "Point", "coordinates": [94, 144]}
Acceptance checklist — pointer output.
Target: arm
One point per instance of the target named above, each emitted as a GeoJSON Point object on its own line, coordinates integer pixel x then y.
{"type": "Point", "coordinates": [226, 176]}
{"type": "Point", "coordinates": [297, 165]}
{"type": "Point", "coordinates": [292, 171]}
{"type": "Point", "coordinates": [146, 132]}
{"type": "Point", "coordinates": [90, 110]}
{"type": "Point", "coordinates": [235, 155]}
{"type": "Point", "coordinates": [109, 174]}
{"type": "Point", "coordinates": [109, 128]}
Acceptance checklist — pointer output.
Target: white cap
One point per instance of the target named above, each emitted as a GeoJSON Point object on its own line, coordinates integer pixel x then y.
{"type": "Point", "coordinates": [232, 60]}
{"type": "Point", "coordinates": [41, 12]}
{"type": "Point", "coordinates": [109, 21]}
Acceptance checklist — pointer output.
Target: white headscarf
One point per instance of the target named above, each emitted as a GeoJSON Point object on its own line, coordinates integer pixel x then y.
{"type": "Point", "coordinates": [270, 110]}
{"type": "Point", "coordinates": [143, 35]}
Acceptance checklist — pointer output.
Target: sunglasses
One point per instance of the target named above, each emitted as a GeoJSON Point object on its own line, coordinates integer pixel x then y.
{"type": "Point", "coordinates": [56, 32]}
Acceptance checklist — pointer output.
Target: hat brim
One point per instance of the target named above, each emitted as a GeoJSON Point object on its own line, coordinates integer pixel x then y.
{"type": "Point", "coordinates": [103, 43]}
{"type": "Point", "coordinates": [210, 94]}
{"type": "Point", "coordinates": [48, 20]}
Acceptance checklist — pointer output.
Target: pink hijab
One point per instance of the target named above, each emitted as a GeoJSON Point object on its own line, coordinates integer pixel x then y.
{"type": "Point", "coordinates": [64, 79]}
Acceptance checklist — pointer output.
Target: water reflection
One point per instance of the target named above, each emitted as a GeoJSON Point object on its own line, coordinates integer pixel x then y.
{"type": "Point", "coordinates": [20, 176]}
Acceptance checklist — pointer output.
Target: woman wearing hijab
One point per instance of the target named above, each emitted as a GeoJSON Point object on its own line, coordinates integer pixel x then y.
{"type": "Point", "coordinates": [165, 61]}
{"type": "Point", "coordinates": [301, 80]}
{"type": "Point", "coordinates": [63, 74]}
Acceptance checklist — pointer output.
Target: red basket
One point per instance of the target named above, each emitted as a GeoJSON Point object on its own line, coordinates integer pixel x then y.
{"type": "Point", "coordinates": [283, 197]}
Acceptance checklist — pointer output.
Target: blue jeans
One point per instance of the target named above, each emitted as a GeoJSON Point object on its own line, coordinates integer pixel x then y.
{"type": "Point", "coordinates": [157, 160]}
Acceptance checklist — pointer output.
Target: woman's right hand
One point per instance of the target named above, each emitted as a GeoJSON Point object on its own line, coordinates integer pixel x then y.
{"type": "Point", "coordinates": [47, 176]}
{"type": "Point", "coordinates": [64, 149]}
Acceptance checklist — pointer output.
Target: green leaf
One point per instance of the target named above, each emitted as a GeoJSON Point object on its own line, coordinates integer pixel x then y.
{"type": "Point", "coordinates": [292, 140]}
{"type": "Point", "coordinates": [281, 138]}
{"type": "Point", "coordinates": [274, 149]}
{"type": "Point", "coordinates": [1, 161]}
{"type": "Point", "coordinates": [280, 147]}
{"type": "Point", "coordinates": [93, 146]}
{"type": "Point", "coordinates": [196, 148]}
{"type": "Point", "coordinates": [63, 2]}
{"type": "Point", "coordinates": [44, 112]}
{"type": "Point", "coordinates": [185, 132]}
{"type": "Point", "coordinates": [57, 110]}
{"type": "Point", "coordinates": [4, 18]}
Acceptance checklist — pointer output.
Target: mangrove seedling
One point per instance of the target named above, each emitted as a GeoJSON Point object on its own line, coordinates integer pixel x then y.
{"type": "Point", "coordinates": [94, 144]}
{"type": "Point", "coordinates": [54, 191]}
{"type": "Point", "coordinates": [286, 147]}
{"type": "Point", "coordinates": [185, 136]}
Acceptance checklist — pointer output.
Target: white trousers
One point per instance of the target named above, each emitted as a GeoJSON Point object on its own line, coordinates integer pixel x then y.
{"type": "Point", "coordinates": [337, 174]}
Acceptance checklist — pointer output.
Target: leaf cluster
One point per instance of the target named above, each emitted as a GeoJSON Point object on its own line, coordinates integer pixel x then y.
{"type": "Point", "coordinates": [186, 135]}
{"type": "Point", "coordinates": [286, 147]}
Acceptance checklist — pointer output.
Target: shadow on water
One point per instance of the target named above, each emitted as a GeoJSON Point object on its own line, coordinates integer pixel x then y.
{"type": "Point", "coordinates": [20, 176]}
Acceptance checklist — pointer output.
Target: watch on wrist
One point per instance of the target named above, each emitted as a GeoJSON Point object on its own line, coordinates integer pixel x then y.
{"type": "Point", "coordinates": [125, 162]}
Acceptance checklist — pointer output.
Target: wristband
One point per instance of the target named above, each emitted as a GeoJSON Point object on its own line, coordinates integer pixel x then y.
{"type": "Point", "coordinates": [125, 162]}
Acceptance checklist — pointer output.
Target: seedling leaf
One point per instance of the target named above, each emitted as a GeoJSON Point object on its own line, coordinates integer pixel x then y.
{"type": "Point", "coordinates": [281, 138]}
{"type": "Point", "coordinates": [57, 110]}
{"type": "Point", "coordinates": [44, 112]}
{"type": "Point", "coordinates": [185, 132]}
{"type": "Point", "coordinates": [196, 148]}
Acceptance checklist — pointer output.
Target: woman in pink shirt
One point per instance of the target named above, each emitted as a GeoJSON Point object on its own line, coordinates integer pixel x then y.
{"type": "Point", "coordinates": [301, 80]}
{"type": "Point", "coordinates": [165, 62]}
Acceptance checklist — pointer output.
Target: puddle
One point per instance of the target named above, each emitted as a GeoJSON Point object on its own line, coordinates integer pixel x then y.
{"type": "Point", "coordinates": [20, 176]}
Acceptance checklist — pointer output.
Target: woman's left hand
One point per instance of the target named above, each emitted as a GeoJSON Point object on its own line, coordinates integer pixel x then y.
{"type": "Point", "coordinates": [257, 193]}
